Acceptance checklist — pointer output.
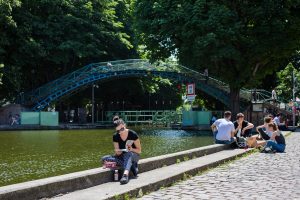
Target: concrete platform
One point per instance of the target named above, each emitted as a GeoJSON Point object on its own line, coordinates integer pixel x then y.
{"type": "Point", "coordinates": [52, 186]}
{"type": "Point", "coordinates": [153, 180]}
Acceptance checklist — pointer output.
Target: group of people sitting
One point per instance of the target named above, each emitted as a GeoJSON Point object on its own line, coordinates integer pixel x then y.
{"type": "Point", "coordinates": [127, 145]}
{"type": "Point", "coordinates": [239, 133]}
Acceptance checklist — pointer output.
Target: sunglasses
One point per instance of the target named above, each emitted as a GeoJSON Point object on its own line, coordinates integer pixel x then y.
{"type": "Point", "coordinates": [116, 119]}
{"type": "Point", "coordinates": [120, 130]}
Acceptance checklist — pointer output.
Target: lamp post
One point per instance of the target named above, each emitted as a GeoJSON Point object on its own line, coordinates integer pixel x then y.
{"type": "Point", "coordinates": [102, 107]}
{"type": "Point", "coordinates": [97, 116]}
{"type": "Point", "coordinates": [93, 102]}
{"type": "Point", "coordinates": [294, 100]}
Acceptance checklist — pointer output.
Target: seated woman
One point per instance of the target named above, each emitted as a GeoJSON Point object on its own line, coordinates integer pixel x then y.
{"type": "Point", "coordinates": [127, 148]}
{"type": "Point", "coordinates": [264, 132]}
{"type": "Point", "coordinates": [277, 140]}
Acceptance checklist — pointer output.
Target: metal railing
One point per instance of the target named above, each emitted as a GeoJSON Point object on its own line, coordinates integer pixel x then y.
{"type": "Point", "coordinates": [84, 76]}
{"type": "Point", "coordinates": [153, 117]}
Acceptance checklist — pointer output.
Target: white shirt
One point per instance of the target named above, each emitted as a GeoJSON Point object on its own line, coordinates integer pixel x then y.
{"type": "Point", "coordinates": [277, 121]}
{"type": "Point", "coordinates": [225, 127]}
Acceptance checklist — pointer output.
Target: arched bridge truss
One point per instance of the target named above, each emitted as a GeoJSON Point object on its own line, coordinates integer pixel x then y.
{"type": "Point", "coordinates": [41, 97]}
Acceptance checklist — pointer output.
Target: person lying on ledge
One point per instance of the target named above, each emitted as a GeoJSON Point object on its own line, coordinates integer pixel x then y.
{"type": "Point", "coordinates": [127, 148]}
{"type": "Point", "coordinates": [225, 129]}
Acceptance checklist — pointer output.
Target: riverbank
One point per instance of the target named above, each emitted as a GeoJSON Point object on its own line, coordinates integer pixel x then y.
{"type": "Point", "coordinates": [60, 127]}
{"type": "Point", "coordinates": [35, 154]}
{"type": "Point", "coordinates": [49, 187]}
{"type": "Point", "coordinates": [97, 126]}
{"type": "Point", "coordinates": [156, 172]}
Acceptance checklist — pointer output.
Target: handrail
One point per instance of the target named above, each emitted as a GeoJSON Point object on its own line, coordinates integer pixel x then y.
{"type": "Point", "coordinates": [85, 75]}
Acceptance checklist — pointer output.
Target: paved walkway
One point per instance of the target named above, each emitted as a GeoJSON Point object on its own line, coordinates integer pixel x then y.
{"type": "Point", "coordinates": [258, 176]}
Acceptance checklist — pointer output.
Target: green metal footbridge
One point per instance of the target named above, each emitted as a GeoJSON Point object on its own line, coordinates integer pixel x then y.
{"type": "Point", "coordinates": [68, 84]}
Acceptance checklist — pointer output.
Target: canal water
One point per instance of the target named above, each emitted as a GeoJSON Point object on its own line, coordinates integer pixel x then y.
{"type": "Point", "coordinates": [30, 155]}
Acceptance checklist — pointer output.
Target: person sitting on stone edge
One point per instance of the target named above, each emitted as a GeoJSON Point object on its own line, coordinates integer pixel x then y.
{"type": "Point", "coordinates": [243, 128]}
{"type": "Point", "coordinates": [225, 129]}
{"type": "Point", "coordinates": [126, 155]}
{"type": "Point", "coordinates": [277, 140]}
{"type": "Point", "coordinates": [263, 132]}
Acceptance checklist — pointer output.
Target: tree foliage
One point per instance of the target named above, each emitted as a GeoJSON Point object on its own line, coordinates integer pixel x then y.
{"type": "Point", "coordinates": [238, 41]}
{"type": "Point", "coordinates": [44, 39]}
{"type": "Point", "coordinates": [7, 26]}
{"type": "Point", "coordinates": [285, 82]}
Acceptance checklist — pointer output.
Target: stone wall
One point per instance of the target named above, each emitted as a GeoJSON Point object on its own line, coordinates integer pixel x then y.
{"type": "Point", "coordinates": [9, 111]}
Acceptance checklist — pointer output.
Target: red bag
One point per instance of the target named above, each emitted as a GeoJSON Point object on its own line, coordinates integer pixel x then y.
{"type": "Point", "coordinates": [110, 165]}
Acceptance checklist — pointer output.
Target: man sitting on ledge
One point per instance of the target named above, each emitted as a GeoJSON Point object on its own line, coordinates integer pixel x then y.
{"type": "Point", "coordinates": [225, 129]}
{"type": "Point", "coordinates": [127, 150]}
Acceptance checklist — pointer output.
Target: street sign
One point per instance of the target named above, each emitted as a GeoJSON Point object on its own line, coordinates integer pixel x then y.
{"type": "Point", "coordinates": [190, 88]}
{"type": "Point", "coordinates": [191, 98]}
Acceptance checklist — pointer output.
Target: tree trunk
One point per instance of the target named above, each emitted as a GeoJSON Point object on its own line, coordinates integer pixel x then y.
{"type": "Point", "coordinates": [234, 101]}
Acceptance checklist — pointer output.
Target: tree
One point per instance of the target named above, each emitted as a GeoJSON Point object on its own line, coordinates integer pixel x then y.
{"type": "Point", "coordinates": [285, 82]}
{"type": "Point", "coordinates": [7, 26]}
{"type": "Point", "coordinates": [238, 41]}
{"type": "Point", "coordinates": [46, 39]}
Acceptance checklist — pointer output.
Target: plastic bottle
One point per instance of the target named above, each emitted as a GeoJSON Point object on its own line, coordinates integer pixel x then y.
{"type": "Point", "coordinates": [116, 175]}
{"type": "Point", "coordinates": [238, 133]}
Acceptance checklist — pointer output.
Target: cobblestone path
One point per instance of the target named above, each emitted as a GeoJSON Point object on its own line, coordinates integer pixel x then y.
{"type": "Point", "coordinates": [258, 176]}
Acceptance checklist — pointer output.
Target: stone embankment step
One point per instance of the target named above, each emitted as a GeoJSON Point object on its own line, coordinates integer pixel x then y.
{"type": "Point", "coordinates": [154, 179]}
{"type": "Point", "coordinates": [156, 172]}
{"type": "Point", "coordinates": [49, 187]}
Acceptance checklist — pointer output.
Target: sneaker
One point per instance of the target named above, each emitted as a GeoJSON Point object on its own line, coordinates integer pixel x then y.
{"type": "Point", "coordinates": [268, 149]}
{"type": "Point", "coordinates": [265, 150]}
{"type": "Point", "coordinates": [124, 179]}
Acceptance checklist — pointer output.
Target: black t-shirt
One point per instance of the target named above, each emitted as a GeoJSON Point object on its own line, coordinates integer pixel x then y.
{"type": "Point", "coordinates": [132, 135]}
{"type": "Point", "coordinates": [244, 124]}
{"type": "Point", "coordinates": [263, 134]}
{"type": "Point", "coordinates": [280, 139]}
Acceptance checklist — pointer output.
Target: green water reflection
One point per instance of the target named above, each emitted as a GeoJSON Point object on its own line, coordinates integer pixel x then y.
{"type": "Point", "coordinates": [29, 155]}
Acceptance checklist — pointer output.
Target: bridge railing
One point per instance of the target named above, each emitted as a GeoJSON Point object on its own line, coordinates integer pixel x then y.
{"type": "Point", "coordinates": [85, 75]}
{"type": "Point", "coordinates": [147, 116]}
{"type": "Point", "coordinates": [246, 94]}
{"type": "Point", "coordinates": [81, 74]}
